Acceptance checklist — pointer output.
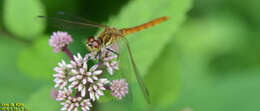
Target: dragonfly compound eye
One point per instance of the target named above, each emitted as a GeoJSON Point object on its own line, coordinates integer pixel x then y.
{"type": "Point", "coordinates": [95, 44]}
{"type": "Point", "coordinates": [91, 39]}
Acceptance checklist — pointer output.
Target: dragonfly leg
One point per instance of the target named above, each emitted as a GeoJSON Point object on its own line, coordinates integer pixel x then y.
{"type": "Point", "coordinates": [98, 54]}
{"type": "Point", "coordinates": [112, 51]}
{"type": "Point", "coordinates": [99, 58]}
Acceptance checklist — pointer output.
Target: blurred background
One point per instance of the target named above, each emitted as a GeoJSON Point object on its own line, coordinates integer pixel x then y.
{"type": "Point", "coordinates": [204, 58]}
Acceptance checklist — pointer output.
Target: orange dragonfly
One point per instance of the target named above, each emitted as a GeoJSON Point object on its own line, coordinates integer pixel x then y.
{"type": "Point", "coordinates": [111, 35]}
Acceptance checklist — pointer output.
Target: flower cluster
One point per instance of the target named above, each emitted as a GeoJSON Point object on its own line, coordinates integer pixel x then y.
{"type": "Point", "coordinates": [79, 84]}
{"type": "Point", "coordinates": [110, 61]}
{"type": "Point", "coordinates": [59, 40]}
{"type": "Point", "coordinates": [119, 88]}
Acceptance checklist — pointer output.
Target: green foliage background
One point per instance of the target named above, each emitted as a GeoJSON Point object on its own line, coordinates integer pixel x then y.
{"type": "Point", "coordinates": [205, 57]}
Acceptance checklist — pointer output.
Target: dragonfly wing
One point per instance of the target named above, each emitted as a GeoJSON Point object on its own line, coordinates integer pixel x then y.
{"type": "Point", "coordinates": [72, 17]}
{"type": "Point", "coordinates": [137, 74]}
{"type": "Point", "coordinates": [121, 73]}
{"type": "Point", "coordinates": [62, 21]}
{"type": "Point", "coordinates": [71, 22]}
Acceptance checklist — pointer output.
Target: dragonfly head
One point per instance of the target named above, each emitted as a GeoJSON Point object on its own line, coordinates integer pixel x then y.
{"type": "Point", "coordinates": [93, 44]}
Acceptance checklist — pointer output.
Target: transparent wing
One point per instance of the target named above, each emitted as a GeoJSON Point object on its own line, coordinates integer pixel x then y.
{"type": "Point", "coordinates": [68, 21]}
{"type": "Point", "coordinates": [79, 27]}
{"type": "Point", "coordinates": [78, 18]}
{"type": "Point", "coordinates": [61, 21]}
{"type": "Point", "coordinates": [137, 74]}
{"type": "Point", "coordinates": [121, 73]}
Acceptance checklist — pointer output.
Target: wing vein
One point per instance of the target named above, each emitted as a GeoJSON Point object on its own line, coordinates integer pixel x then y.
{"type": "Point", "coordinates": [137, 74]}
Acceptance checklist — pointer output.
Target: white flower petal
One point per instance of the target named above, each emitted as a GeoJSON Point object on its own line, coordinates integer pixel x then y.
{"type": "Point", "coordinates": [100, 92]}
{"type": "Point", "coordinates": [74, 83]}
{"type": "Point", "coordinates": [97, 96]}
{"type": "Point", "coordinates": [110, 70]}
{"type": "Point", "coordinates": [83, 92]}
{"type": "Point", "coordinates": [69, 66]}
{"type": "Point", "coordinates": [92, 96]}
{"type": "Point", "coordinates": [97, 72]}
{"type": "Point", "coordinates": [63, 108]}
{"type": "Point", "coordinates": [95, 87]}
{"type": "Point", "coordinates": [93, 68]}
{"type": "Point", "coordinates": [80, 87]}
{"type": "Point", "coordinates": [89, 73]}
{"type": "Point", "coordinates": [90, 80]}
{"type": "Point", "coordinates": [58, 70]}
{"type": "Point", "coordinates": [73, 64]}
{"type": "Point", "coordinates": [95, 77]}
{"type": "Point", "coordinates": [73, 78]}
{"type": "Point", "coordinates": [74, 71]}
{"type": "Point", "coordinates": [79, 76]}
{"type": "Point", "coordinates": [85, 65]}
{"type": "Point", "coordinates": [81, 70]}
{"type": "Point", "coordinates": [84, 81]}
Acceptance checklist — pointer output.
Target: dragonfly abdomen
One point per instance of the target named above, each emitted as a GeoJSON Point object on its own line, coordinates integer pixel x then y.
{"type": "Point", "coordinates": [143, 26]}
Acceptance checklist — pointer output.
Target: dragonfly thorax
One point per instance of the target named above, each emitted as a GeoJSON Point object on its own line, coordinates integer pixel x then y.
{"type": "Point", "coordinates": [109, 35]}
{"type": "Point", "coordinates": [104, 39]}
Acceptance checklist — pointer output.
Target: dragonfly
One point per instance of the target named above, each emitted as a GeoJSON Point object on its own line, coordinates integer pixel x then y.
{"type": "Point", "coordinates": [111, 35]}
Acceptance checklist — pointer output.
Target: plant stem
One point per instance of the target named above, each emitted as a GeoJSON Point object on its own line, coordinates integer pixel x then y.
{"type": "Point", "coordinates": [107, 87]}
{"type": "Point", "coordinates": [68, 53]}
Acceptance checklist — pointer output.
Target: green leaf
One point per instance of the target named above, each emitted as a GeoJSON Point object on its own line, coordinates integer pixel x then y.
{"type": "Point", "coordinates": [207, 38]}
{"type": "Point", "coordinates": [39, 60]}
{"type": "Point", "coordinates": [203, 89]}
{"type": "Point", "coordinates": [162, 80]}
{"type": "Point", "coordinates": [15, 87]}
{"type": "Point", "coordinates": [215, 34]}
{"type": "Point", "coordinates": [54, 6]}
{"type": "Point", "coordinates": [21, 18]}
{"type": "Point", "coordinates": [148, 44]}
{"type": "Point", "coordinates": [106, 98]}
{"type": "Point", "coordinates": [41, 100]}
{"type": "Point", "coordinates": [249, 9]}
{"type": "Point", "coordinates": [111, 106]}
{"type": "Point", "coordinates": [229, 91]}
